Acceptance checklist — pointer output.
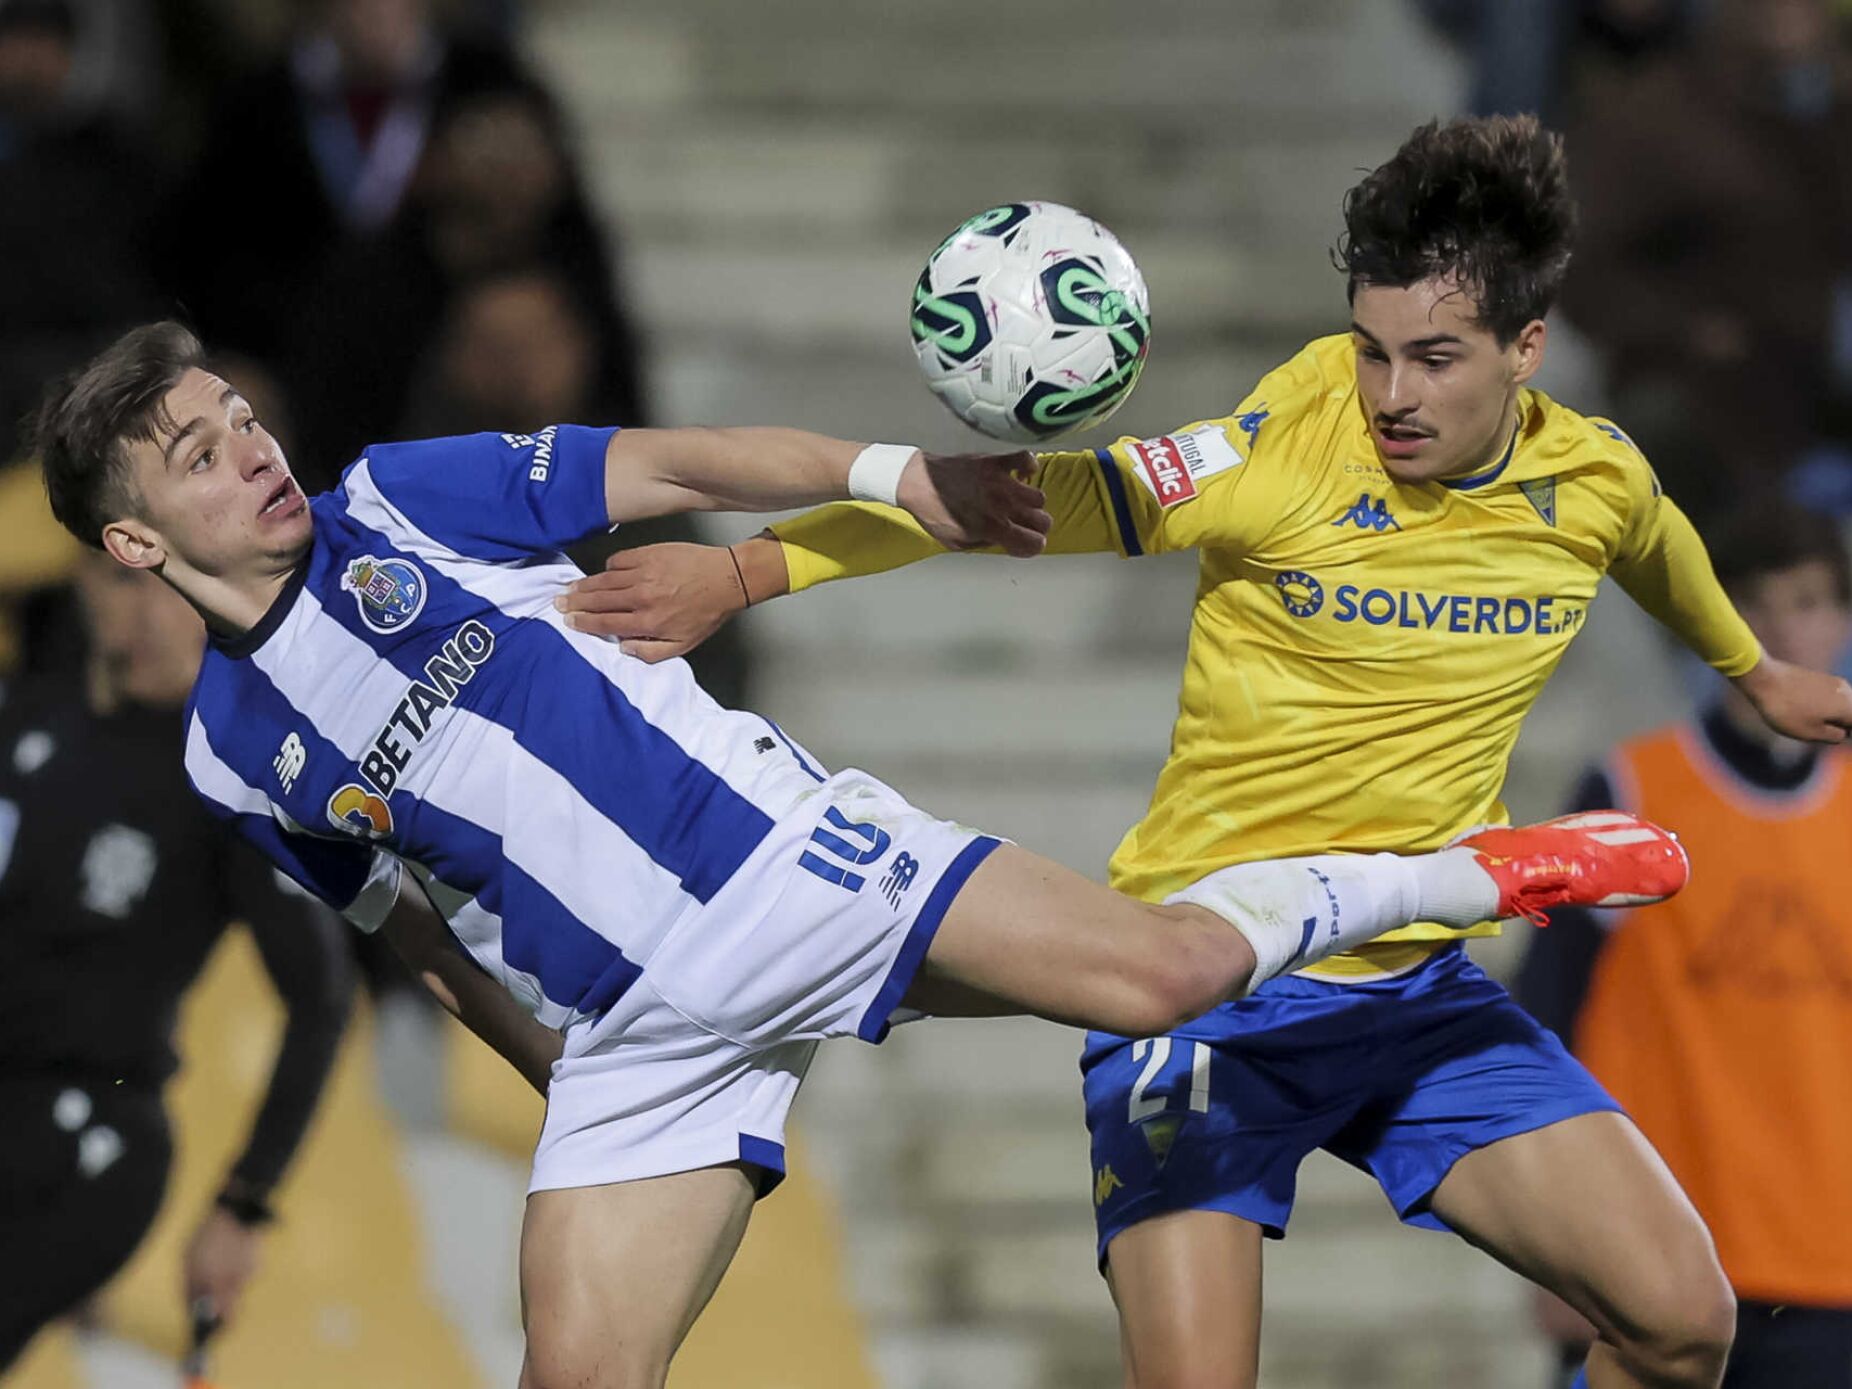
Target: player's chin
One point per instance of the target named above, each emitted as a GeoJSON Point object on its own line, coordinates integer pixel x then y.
{"type": "Point", "coordinates": [1416, 468]}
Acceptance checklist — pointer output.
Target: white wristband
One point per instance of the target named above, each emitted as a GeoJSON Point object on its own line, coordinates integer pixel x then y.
{"type": "Point", "coordinates": [875, 474]}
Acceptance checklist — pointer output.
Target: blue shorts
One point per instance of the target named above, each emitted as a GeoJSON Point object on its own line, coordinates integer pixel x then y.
{"type": "Point", "coordinates": [1400, 1077]}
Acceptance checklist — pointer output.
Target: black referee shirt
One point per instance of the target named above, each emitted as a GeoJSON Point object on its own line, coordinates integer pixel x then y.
{"type": "Point", "coordinates": [114, 887]}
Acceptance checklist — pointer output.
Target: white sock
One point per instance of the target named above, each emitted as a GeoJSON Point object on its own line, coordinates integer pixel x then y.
{"type": "Point", "coordinates": [1455, 890]}
{"type": "Point", "coordinates": [1298, 910]}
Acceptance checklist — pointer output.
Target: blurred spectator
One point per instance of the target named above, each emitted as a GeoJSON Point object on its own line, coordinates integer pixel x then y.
{"type": "Point", "coordinates": [73, 273]}
{"type": "Point", "coordinates": [1524, 55]}
{"type": "Point", "coordinates": [1722, 1019]}
{"type": "Point", "coordinates": [1716, 193]}
{"type": "Point", "coordinates": [499, 189]}
{"type": "Point", "coordinates": [308, 151]}
{"type": "Point", "coordinates": [519, 351]}
{"type": "Point", "coordinates": [73, 243]}
{"type": "Point", "coordinates": [114, 888]}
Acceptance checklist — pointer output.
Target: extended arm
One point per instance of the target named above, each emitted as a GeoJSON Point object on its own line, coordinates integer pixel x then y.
{"type": "Point", "coordinates": [665, 600]}
{"type": "Point", "coordinates": [305, 953]}
{"type": "Point", "coordinates": [962, 502]}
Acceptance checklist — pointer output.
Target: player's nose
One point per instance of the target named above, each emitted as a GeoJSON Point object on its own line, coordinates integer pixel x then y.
{"type": "Point", "coordinates": [1399, 395]}
{"type": "Point", "coordinates": [259, 457]}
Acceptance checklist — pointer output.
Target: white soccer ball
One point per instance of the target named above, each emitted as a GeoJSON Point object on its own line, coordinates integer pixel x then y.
{"type": "Point", "coordinates": [1031, 321]}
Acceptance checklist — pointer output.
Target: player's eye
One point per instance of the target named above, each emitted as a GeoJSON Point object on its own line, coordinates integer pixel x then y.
{"type": "Point", "coordinates": [202, 462]}
{"type": "Point", "coordinates": [249, 425]}
{"type": "Point", "coordinates": [1437, 363]}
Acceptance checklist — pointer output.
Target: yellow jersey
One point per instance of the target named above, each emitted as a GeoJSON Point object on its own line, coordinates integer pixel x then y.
{"type": "Point", "coordinates": [1363, 652]}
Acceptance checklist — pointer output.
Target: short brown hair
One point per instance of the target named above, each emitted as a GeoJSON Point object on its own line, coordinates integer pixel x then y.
{"type": "Point", "coordinates": [90, 417]}
{"type": "Point", "coordinates": [1483, 200]}
{"type": "Point", "coordinates": [1772, 537]}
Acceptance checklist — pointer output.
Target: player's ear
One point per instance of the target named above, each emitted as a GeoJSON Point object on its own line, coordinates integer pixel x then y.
{"type": "Point", "coordinates": [1527, 350]}
{"type": "Point", "coordinates": [134, 543]}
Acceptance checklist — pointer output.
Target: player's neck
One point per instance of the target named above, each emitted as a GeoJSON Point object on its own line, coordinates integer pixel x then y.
{"type": "Point", "coordinates": [229, 605]}
{"type": "Point", "coordinates": [1502, 442]}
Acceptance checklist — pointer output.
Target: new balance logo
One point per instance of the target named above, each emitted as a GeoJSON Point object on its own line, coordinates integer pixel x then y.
{"type": "Point", "coordinates": [1370, 514]}
{"type": "Point", "coordinates": [900, 877]}
{"type": "Point", "coordinates": [291, 758]}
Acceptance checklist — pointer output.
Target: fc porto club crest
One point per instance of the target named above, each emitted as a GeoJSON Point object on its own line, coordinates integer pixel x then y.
{"type": "Point", "coordinates": [389, 592]}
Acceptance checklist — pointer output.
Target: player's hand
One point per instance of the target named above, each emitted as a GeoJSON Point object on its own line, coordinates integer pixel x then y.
{"type": "Point", "coordinates": [220, 1260]}
{"type": "Point", "coordinates": [968, 501]}
{"type": "Point", "coordinates": [1801, 703]}
{"type": "Point", "coordinates": [658, 601]}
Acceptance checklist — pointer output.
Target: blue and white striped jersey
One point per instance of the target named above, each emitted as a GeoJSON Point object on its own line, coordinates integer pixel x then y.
{"type": "Point", "coordinates": [412, 698]}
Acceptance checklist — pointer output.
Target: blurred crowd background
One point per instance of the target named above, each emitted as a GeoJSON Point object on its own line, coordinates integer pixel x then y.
{"type": "Point", "coordinates": [397, 218]}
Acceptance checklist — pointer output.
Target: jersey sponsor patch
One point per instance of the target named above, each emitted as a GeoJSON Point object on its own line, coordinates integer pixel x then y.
{"type": "Point", "coordinates": [542, 445]}
{"type": "Point", "coordinates": [358, 811]}
{"type": "Point", "coordinates": [1171, 465]}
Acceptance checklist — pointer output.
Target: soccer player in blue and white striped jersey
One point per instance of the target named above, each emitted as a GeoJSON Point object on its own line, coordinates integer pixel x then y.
{"type": "Point", "coordinates": [654, 906]}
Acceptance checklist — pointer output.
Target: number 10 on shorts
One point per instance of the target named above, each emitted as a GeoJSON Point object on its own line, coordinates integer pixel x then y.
{"type": "Point", "coordinates": [1155, 1053]}
{"type": "Point", "coordinates": [863, 845]}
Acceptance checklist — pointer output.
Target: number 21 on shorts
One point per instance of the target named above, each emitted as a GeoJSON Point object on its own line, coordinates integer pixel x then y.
{"type": "Point", "coordinates": [1155, 1053]}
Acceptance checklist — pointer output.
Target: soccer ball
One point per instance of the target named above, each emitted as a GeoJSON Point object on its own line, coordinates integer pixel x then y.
{"type": "Point", "coordinates": [1031, 321]}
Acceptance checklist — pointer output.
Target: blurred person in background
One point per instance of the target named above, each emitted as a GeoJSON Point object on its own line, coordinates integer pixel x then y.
{"type": "Point", "coordinates": [115, 885]}
{"type": "Point", "coordinates": [1722, 1021]}
{"type": "Point", "coordinates": [73, 244]}
{"type": "Point", "coordinates": [1716, 195]}
{"type": "Point", "coordinates": [73, 269]}
{"type": "Point", "coordinates": [521, 347]}
{"type": "Point", "coordinates": [499, 190]}
{"type": "Point", "coordinates": [1529, 57]}
{"type": "Point", "coordinates": [319, 145]}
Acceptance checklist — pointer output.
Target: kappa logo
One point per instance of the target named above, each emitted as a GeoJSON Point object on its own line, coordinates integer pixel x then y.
{"type": "Point", "coordinates": [1370, 513]}
{"type": "Point", "coordinates": [1172, 464]}
{"type": "Point", "coordinates": [1105, 1183]}
{"type": "Point", "coordinates": [291, 758]}
{"type": "Point", "coordinates": [358, 811]}
{"type": "Point", "coordinates": [389, 592]}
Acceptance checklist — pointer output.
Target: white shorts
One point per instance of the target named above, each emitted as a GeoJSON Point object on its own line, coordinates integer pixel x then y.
{"type": "Point", "coordinates": [818, 935]}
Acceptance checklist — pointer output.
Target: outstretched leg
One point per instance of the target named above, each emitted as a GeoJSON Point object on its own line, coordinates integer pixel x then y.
{"type": "Point", "coordinates": [612, 1277]}
{"type": "Point", "coordinates": [1027, 935]}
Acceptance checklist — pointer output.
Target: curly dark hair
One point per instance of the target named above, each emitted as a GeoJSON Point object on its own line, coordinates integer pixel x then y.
{"type": "Point", "coordinates": [1483, 201]}
{"type": "Point", "coordinates": [89, 418]}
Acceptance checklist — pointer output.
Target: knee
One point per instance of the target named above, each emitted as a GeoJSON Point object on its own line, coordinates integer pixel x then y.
{"type": "Point", "coordinates": [1683, 1340]}
{"type": "Point", "coordinates": [1188, 967]}
{"type": "Point", "coordinates": [563, 1361]}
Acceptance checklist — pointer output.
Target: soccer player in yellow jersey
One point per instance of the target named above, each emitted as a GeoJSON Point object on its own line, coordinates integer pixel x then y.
{"type": "Point", "coordinates": [1398, 540]}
